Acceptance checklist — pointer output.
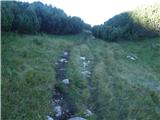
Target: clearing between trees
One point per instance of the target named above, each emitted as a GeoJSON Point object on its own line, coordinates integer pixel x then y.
{"type": "Point", "coordinates": [101, 80]}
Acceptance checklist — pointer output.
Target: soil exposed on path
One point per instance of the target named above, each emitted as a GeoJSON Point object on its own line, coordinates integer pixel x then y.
{"type": "Point", "coordinates": [63, 106]}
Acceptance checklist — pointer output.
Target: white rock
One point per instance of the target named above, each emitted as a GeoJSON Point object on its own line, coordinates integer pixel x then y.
{"type": "Point", "coordinates": [61, 69]}
{"type": "Point", "coordinates": [88, 76]}
{"type": "Point", "coordinates": [82, 58]}
{"type": "Point", "coordinates": [135, 56]}
{"type": "Point", "coordinates": [58, 111]}
{"type": "Point", "coordinates": [65, 81]}
{"type": "Point", "coordinates": [57, 101]}
{"type": "Point", "coordinates": [77, 118]}
{"type": "Point", "coordinates": [131, 57]}
{"type": "Point", "coordinates": [88, 112]}
{"type": "Point", "coordinates": [66, 61]}
{"type": "Point", "coordinates": [65, 53]}
{"type": "Point", "coordinates": [155, 45]}
{"type": "Point", "coordinates": [92, 37]}
{"type": "Point", "coordinates": [62, 60]}
{"type": "Point", "coordinates": [67, 110]}
{"type": "Point", "coordinates": [87, 31]}
{"type": "Point", "coordinates": [49, 118]}
{"type": "Point", "coordinates": [85, 64]}
{"type": "Point", "coordinates": [86, 72]}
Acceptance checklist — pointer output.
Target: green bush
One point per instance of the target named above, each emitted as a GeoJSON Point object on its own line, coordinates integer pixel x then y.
{"type": "Point", "coordinates": [139, 23]}
{"type": "Point", "coordinates": [37, 17]}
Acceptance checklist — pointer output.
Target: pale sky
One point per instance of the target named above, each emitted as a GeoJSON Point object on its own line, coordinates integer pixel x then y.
{"type": "Point", "coordinates": [95, 12]}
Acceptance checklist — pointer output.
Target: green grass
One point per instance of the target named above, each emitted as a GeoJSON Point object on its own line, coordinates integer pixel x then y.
{"type": "Point", "coordinates": [123, 89]}
{"type": "Point", "coordinates": [28, 75]}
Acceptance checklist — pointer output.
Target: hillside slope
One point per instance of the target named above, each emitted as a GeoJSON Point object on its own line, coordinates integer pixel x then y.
{"type": "Point", "coordinates": [141, 23]}
{"type": "Point", "coordinates": [124, 82]}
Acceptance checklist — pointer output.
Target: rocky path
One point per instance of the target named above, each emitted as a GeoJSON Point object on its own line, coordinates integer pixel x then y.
{"type": "Point", "coordinates": [86, 71]}
{"type": "Point", "coordinates": [61, 103]}
{"type": "Point", "coordinates": [63, 106]}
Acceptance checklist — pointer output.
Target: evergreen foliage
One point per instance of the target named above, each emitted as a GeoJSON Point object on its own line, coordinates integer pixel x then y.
{"type": "Point", "coordinates": [37, 17]}
{"type": "Point", "coordinates": [140, 23]}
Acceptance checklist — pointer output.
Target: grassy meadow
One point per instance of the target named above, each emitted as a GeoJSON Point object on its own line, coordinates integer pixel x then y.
{"type": "Point", "coordinates": [122, 88]}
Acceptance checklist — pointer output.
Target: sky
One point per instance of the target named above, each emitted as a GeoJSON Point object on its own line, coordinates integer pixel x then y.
{"type": "Point", "coordinates": [95, 12]}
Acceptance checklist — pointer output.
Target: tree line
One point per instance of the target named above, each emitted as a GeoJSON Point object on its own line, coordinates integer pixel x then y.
{"type": "Point", "coordinates": [140, 23]}
{"type": "Point", "coordinates": [36, 17]}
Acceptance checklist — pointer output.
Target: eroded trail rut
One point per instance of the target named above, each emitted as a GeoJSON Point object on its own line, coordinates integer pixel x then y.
{"type": "Point", "coordinates": [63, 106]}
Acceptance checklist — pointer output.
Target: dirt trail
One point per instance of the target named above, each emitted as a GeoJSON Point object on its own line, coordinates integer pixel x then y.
{"type": "Point", "coordinates": [63, 106]}
{"type": "Point", "coordinates": [87, 71]}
